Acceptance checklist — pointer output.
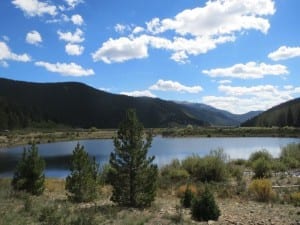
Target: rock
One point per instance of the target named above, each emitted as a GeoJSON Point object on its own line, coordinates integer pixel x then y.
{"type": "Point", "coordinates": [211, 222]}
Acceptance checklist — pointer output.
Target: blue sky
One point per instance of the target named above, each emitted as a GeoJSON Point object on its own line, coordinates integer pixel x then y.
{"type": "Point", "coordinates": [236, 55]}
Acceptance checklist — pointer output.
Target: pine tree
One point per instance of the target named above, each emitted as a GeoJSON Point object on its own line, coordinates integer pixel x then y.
{"type": "Point", "coordinates": [83, 181]}
{"type": "Point", "coordinates": [205, 207]}
{"type": "Point", "coordinates": [29, 174]}
{"type": "Point", "coordinates": [133, 174]}
{"type": "Point", "coordinates": [290, 118]}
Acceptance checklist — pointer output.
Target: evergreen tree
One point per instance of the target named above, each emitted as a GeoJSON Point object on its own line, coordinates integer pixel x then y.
{"type": "Point", "coordinates": [205, 207]}
{"type": "Point", "coordinates": [133, 174]}
{"type": "Point", "coordinates": [83, 181]}
{"type": "Point", "coordinates": [29, 175]}
{"type": "Point", "coordinates": [289, 117]}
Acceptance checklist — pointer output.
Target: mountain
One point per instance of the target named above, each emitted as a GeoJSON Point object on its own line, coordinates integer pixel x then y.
{"type": "Point", "coordinates": [285, 114]}
{"type": "Point", "coordinates": [74, 104]}
{"type": "Point", "coordinates": [214, 116]}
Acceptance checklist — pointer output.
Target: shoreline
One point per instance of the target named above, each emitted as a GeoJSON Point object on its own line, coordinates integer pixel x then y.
{"type": "Point", "coordinates": [27, 136]}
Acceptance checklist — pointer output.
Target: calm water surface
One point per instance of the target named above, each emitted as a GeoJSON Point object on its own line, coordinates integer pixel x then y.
{"type": "Point", "coordinates": [57, 155]}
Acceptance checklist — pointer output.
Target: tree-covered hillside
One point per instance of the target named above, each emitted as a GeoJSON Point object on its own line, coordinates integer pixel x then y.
{"type": "Point", "coordinates": [285, 114]}
{"type": "Point", "coordinates": [23, 104]}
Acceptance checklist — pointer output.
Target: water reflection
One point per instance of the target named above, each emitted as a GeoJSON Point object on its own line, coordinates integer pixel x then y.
{"type": "Point", "coordinates": [58, 155]}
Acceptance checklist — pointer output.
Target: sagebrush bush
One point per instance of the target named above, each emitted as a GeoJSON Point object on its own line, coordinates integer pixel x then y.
{"type": "Point", "coordinates": [262, 190]}
{"type": "Point", "coordinates": [205, 208]}
{"type": "Point", "coordinates": [262, 168]}
{"type": "Point", "coordinates": [209, 168]}
{"type": "Point", "coordinates": [260, 154]}
{"type": "Point", "coordinates": [290, 155]}
{"type": "Point", "coordinates": [295, 198]}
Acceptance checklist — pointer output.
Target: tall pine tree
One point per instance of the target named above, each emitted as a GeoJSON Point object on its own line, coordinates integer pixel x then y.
{"type": "Point", "coordinates": [29, 174]}
{"type": "Point", "coordinates": [133, 174]}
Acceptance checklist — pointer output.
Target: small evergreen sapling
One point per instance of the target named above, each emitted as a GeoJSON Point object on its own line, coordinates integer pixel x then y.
{"type": "Point", "coordinates": [205, 207]}
{"type": "Point", "coordinates": [83, 180]}
{"type": "Point", "coordinates": [29, 174]}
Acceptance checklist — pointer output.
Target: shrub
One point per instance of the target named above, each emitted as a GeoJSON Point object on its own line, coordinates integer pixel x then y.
{"type": "Point", "coordinates": [261, 168]}
{"type": "Point", "coordinates": [290, 155]}
{"type": "Point", "coordinates": [260, 154]}
{"type": "Point", "coordinates": [29, 174]}
{"type": "Point", "coordinates": [83, 181]}
{"type": "Point", "coordinates": [262, 189]}
{"type": "Point", "coordinates": [295, 198]}
{"type": "Point", "coordinates": [210, 168]}
{"type": "Point", "coordinates": [205, 207]}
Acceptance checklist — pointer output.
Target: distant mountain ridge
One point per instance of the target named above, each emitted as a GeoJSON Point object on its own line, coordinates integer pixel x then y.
{"type": "Point", "coordinates": [78, 105]}
{"type": "Point", "coordinates": [285, 114]}
{"type": "Point", "coordinates": [216, 117]}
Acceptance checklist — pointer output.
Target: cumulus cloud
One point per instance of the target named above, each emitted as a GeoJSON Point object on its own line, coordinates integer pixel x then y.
{"type": "Point", "coordinates": [127, 48]}
{"type": "Point", "coordinates": [250, 70]}
{"type": "Point", "coordinates": [71, 69]}
{"type": "Point", "coordinates": [169, 85]}
{"type": "Point", "coordinates": [120, 50]}
{"type": "Point", "coordinates": [196, 30]}
{"type": "Point", "coordinates": [35, 7]}
{"type": "Point", "coordinates": [74, 49]}
{"type": "Point", "coordinates": [6, 54]}
{"type": "Point", "coordinates": [145, 93]}
{"type": "Point", "coordinates": [77, 19]}
{"type": "Point", "coordinates": [225, 82]}
{"type": "Point", "coordinates": [285, 52]}
{"type": "Point", "coordinates": [76, 37]}
{"type": "Point", "coordinates": [218, 18]}
{"type": "Point", "coordinates": [241, 99]}
{"type": "Point", "coordinates": [34, 37]}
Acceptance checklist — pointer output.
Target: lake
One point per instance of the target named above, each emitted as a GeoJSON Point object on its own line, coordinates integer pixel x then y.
{"type": "Point", "coordinates": [57, 155]}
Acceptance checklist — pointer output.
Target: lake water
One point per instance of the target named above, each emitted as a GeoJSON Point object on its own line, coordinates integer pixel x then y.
{"type": "Point", "coordinates": [57, 155]}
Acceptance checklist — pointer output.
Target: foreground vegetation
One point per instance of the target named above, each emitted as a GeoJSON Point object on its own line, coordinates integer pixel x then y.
{"type": "Point", "coordinates": [242, 195]}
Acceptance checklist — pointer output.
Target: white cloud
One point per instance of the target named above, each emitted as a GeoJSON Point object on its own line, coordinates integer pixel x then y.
{"type": "Point", "coordinates": [6, 54]}
{"type": "Point", "coordinates": [197, 30]}
{"type": "Point", "coordinates": [145, 93]}
{"type": "Point", "coordinates": [120, 28]}
{"type": "Point", "coordinates": [71, 69]}
{"type": "Point", "coordinates": [76, 37]}
{"type": "Point", "coordinates": [137, 30]}
{"type": "Point", "coordinates": [77, 19]}
{"type": "Point", "coordinates": [284, 52]}
{"type": "Point", "coordinates": [35, 7]}
{"type": "Point", "coordinates": [120, 50]}
{"type": "Point", "coordinates": [169, 85]}
{"type": "Point", "coordinates": [218, 17]}
{"type": "Point", "coordinates": [74, 49]}
{"type": "Point", "coordinates": [5, 38]}
{"type": "Point", "coordinates": [34, 37]}
{"type": "Point", "coordinates": [125, 48]}
{"type": "Point", "coordinates": [239, 99]}
{"type": "Point", "coordinates": [73, 3]}
{"type": "Point", "coordinates": [225, 82]}
{"type": "Point", "coordinates": [250, 70]}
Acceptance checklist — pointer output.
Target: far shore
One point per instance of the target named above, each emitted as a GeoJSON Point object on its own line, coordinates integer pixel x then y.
{"type": "Point", "coordinates": [40, 136]}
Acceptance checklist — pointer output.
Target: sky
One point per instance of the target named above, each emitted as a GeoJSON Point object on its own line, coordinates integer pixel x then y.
{"type": "Point", "coordinates": [235, 55]}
